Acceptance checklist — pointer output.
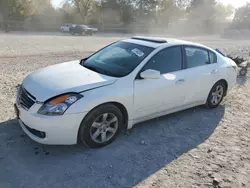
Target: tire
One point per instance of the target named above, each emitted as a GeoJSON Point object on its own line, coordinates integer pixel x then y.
{"type": "Point", "coordinates": [211, 102]}
{"type": "Point", "coordinates": [243, 71]}
{"type": "Point", "coordinates": [87, 131]}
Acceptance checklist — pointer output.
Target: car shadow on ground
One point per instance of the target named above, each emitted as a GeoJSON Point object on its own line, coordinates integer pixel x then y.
{"type": "Point", "coordinates": [132, 158]}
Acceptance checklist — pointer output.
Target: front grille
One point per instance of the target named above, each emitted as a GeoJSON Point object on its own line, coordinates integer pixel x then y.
{"type": "Point", "coordinates": [35, 132]}
{"type": "Point", "coordinates": [26, 100]}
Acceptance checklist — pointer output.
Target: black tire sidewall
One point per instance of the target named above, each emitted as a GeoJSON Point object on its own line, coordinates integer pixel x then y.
{"type": "Point", "coordinates": [84, 131]}
{"type": "Point", "coordinates": [209, 104]}
{"type": "Point", "coordinates": [244, 71]}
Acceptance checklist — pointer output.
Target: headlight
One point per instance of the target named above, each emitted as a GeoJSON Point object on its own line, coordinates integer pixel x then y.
{"type": "Point", "coordinates": [58, 105]}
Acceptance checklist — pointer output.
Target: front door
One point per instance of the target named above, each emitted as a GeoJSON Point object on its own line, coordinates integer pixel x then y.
{"type": "Point", "coordinates": [152, 96]}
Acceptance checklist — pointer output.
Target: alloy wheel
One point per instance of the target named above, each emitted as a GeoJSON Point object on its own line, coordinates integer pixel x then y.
{"type": "Point", "coordinates": [217, 95]}
{"type": "Point", "coordinates": [104, 128]}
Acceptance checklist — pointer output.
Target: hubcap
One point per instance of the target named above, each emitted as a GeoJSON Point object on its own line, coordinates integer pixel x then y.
{"type": "Point", "coordinates": [217, 95]}
{"type": "Point", "coordinates": [243, 72]}
{"type": "Point", "coordinates": [104, 128]}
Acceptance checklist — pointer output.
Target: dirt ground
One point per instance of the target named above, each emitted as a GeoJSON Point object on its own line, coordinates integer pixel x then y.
{"type": "Point", "coordinates": [190, 149]}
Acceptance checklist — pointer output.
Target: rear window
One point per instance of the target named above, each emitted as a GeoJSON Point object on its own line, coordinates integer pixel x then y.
{"type": "Point", "coordinates": [196, 56]}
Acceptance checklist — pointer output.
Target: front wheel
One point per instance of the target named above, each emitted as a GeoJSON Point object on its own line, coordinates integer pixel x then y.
{"type": "Point", "coordinates": [216, 95]}
{"type": "Point", "coordinates": [101, 126]}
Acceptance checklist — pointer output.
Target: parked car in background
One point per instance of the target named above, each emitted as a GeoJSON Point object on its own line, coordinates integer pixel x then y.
{"type": "Point", "coordinates": [81, 30]}
{"type": "Point", "coordinates": [95, 30]}
{"type": "Point", "coordinates": [92, 100]}
{"type": "Point", "coordinates": [66, 27]}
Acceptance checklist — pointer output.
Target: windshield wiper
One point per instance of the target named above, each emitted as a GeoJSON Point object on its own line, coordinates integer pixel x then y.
{"type": "Point", "coordinates": [98, 70]}
{"type": "Point", "coordinates": [91, 68]}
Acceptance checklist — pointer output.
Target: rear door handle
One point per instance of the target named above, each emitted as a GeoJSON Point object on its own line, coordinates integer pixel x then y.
{"type": "Point", "coordinates": [214, 71]}
{"type": "Point", "coordinates": [180, 81]}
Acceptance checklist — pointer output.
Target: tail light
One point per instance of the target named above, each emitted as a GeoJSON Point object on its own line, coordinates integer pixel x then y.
{"type": "Point", "coordinates": [235, 67]}
{"type": "Point", "coordinates": [233, 64]}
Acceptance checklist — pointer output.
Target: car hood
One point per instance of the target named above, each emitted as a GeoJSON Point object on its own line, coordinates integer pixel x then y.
{"type": "Point", "coordinates": [63, 78]}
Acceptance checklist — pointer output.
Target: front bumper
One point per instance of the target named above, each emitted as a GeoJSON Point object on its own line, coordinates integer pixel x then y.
{"type": "Point", "coordinates": [57, 130]}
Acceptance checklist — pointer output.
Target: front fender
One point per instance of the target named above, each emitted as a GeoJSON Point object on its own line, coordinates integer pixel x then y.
{"type": "Point", "coordinates": [107, 94]}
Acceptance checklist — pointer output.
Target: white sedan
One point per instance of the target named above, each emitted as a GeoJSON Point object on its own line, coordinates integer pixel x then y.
{"type": "Point", "coordinates": [91, 100]}
{"type": "Point", "coordinates": [66, 27]}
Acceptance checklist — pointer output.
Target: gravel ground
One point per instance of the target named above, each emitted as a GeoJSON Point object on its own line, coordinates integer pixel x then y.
{"type": "Point", "coordinates": [193, 148]}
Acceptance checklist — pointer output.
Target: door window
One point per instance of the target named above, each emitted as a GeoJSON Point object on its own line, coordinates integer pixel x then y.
{"type": "Point", "coordinates": [196, 57]}
{"type": "Point", "coordinates": [165, 61]}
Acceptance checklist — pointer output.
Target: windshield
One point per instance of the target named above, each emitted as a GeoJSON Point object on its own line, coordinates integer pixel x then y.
{"type": "Point", "coordinates": [118, 59]}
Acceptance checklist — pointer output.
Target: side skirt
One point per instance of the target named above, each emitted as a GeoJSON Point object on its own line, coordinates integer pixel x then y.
{"type": "Point", "coordinates": [135, 121]}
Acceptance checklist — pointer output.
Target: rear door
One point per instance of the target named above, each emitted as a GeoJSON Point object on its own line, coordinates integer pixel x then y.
{"type": "Point", "coordinates": [202, 73]}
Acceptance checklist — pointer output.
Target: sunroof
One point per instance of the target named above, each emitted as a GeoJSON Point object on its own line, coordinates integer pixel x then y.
{"type": "Point", "coordinates": [150, 39]}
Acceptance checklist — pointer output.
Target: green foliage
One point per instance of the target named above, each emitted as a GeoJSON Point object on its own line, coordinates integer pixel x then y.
{"type": "Point", "coordinates": [84, 7]}
{"type": "Point", "coordinates": [223, 12]}
{"type": "Point", "coordinates": [21, 9]}
{"type": "Point", "coordinates": [208, 13]}
{"type": "Point", "coordinates": [160, 13]}
{"type": "Point", "coordinates": [242, 18]}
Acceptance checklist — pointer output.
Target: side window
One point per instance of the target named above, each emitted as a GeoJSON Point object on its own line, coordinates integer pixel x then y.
{"type": "Point", "coordinates": [196, 57]}
{"type": "Point", "coordinates": [165, 61]}
{"type": "Point", "coordinates": [213, 57]}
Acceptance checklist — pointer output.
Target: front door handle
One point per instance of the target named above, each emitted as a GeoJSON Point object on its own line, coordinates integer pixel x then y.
{"type": "Point", "coordinates": [180, 81]}
{"type": "Point", "coordinates": [214, 71]}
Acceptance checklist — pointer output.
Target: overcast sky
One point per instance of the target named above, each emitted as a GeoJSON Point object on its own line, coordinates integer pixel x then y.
{"type": "Point", "coordinates": [235, 3]}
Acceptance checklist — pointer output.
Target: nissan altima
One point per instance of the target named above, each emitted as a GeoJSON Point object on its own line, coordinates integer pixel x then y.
{"type": "Point", "coordinates": [92, 100]}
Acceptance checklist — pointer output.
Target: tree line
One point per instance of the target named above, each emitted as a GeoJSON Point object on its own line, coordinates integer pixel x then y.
{"type": "Point", "coordinates": [124, 13]}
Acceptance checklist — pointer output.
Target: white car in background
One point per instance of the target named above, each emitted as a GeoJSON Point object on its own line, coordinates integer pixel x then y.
{"type": "Point", "coordinates": [66, 27]}
{"type": "Point", "coordinates": [91, 100]}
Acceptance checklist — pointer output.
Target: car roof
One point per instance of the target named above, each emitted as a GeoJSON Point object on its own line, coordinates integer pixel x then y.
{"type": "Point", "coordinates": [156, 42]}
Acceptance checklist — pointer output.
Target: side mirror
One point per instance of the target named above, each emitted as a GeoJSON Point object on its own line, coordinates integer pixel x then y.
{"type": "Point", "coordinates": [150, 74]}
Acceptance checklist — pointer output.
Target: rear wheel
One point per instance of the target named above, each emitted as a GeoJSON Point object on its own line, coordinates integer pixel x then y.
{"type": "Point", "coordinates": [216, 95]}
{"type": "Point", "coordinates": [101, 126]}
